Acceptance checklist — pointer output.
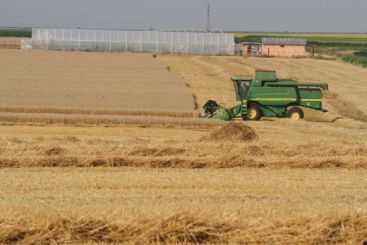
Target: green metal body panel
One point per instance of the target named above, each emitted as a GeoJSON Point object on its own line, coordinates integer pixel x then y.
{"type": "Point", "coordinates": [276, 96]}
{"type": "Point", "coordinates": [273, 111]}
{"type": "Point", "coordinates": [222, 114]}
{"type": "Point", "coordinates": [265, 75]}
{"type": "Point", "coordinates": [310, 97]}
{"type": "Point", "coordinates": [234, 111]}
{"type": "Point", "coordinates": [289, 83]}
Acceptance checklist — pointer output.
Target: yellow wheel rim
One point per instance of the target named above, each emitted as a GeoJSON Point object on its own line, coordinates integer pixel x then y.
{"type": "Point", "coordinates": [251, 113]}
{"type": "Point", "coordinates": [295, 116]}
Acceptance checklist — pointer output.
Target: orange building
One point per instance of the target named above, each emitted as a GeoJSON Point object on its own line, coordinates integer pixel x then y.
{"type": "Point", "coordinates": [276, 47]}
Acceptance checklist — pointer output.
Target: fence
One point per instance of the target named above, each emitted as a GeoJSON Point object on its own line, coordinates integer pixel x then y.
{"type": "Point", "coordinates": [9, 43]}
{"type": "Point", "coordinates": [133, 41]}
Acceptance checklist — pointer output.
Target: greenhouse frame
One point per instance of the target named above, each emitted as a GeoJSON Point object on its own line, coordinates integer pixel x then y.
{"type": "Point", "coordinates": [201, 43]}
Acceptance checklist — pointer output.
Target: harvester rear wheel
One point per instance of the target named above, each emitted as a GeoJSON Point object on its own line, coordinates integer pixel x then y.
{"type": "Point", "coordinates": [295, 113]}
{"type": "Point", "coordinates": [254, 112]}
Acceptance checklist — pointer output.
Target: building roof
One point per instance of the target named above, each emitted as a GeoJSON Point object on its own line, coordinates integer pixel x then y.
{"type": "Point", "coordinates": [284, 41]}
{"type": "Point", "coordinates": [249, 43]}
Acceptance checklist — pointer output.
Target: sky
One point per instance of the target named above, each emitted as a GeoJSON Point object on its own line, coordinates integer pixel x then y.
{"type": "Point", "coordinates": [226, 15]}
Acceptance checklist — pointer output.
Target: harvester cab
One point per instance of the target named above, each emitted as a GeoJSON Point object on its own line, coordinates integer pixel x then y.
{"type": "Point", "coordinates": [265, 95]}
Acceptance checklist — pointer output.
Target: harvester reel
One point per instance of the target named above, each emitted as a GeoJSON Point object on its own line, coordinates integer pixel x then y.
{"type": "Point", "coordinates": [210, 107]}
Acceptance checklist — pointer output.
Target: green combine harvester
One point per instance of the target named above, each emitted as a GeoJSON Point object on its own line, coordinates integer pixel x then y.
{"type": "Point", "coordinates": [267, 96]}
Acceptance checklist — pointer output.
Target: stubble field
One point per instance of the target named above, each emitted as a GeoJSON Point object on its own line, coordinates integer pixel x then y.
{"type": "Point", "coordinates": [178, 206]}
{"type": "Point", "coordinates": [90, 83]}
{"type": "Point", "coordinates": [159, 179]}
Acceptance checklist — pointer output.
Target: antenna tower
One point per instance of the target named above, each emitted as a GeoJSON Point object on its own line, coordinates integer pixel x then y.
{"type": "Point", "coordinates": [208, 27]}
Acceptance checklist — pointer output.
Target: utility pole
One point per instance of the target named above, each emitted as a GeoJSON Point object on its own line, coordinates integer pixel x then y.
{"type": "Point", "coordinates": [208, 27]}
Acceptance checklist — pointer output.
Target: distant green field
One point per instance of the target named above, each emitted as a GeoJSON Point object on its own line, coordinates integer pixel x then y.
{"type": "Point", "coordinates": [358, 58]}
{"type": "Point", "coordinates": [15, 32]}
{"type": "Point", "coordinates": [305, 35]}
{"type": "Point", "coordinates": [313, 39]}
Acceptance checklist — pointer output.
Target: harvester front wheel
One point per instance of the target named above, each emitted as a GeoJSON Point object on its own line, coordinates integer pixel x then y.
{"type": "Point", "coordinates": [295, 113]}
{"type": "Point", "coordinates": [254, 112]}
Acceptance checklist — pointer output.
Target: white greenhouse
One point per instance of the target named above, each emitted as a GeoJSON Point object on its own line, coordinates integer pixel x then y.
{"type": "Point", "coordinates": [201, 43]}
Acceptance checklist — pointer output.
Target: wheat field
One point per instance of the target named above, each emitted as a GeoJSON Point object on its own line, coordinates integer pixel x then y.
{"type": "Point", "coordinates": [180, 206]}
{"type": "Point", "coordinates": [102, 175]}
{"type": "Point", "coordinates": [87, 82]}
{"type": "Point", "coordinates": [302, 145]}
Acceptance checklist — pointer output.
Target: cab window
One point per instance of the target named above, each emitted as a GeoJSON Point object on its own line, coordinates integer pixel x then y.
{"type": "Point", "coordinates": [244, 86]}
